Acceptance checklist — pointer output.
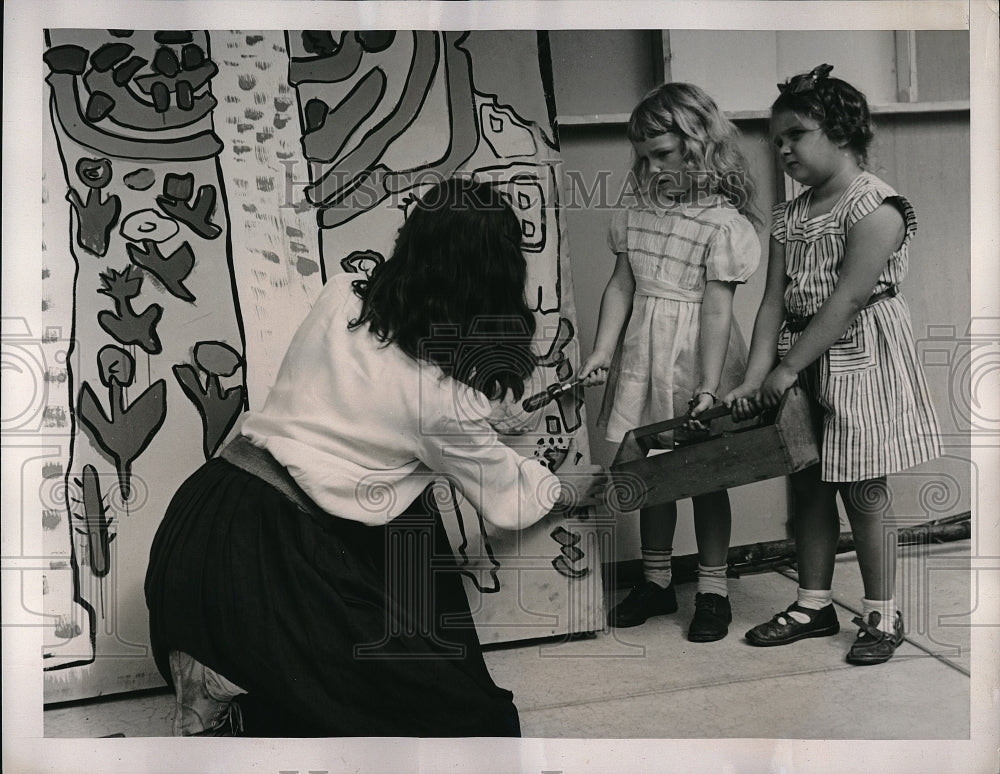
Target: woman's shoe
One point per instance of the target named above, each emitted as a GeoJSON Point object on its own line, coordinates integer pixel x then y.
{"type": "Point", "coordinates": [712, 616]}
{"type": "Point", "coordinates": [874, 646]}
{"type": "Point", "coordinates": [204, 699]}
{"type": "Point", "coordinates": [783, 629]}
{"type": "Point", "coordinates": [645, 600]}
{"type": "Point", "coordinates": [230, 723]}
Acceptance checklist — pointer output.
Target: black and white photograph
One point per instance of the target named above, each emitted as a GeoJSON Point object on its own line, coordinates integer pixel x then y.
{"type": "Point", "coordinates": [501, 386]}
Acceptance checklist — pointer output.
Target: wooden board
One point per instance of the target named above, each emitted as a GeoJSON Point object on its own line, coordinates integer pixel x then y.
{"type": "Point", "coordinates": [730, 455]}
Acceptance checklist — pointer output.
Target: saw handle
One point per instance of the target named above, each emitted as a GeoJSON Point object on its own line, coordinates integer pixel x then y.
{"type": "Point", "coordinates": [550, 393]}
{"type": "Point", "coordinates": [539, 399]}
{"type": "Point", "coordinates": [645, 436]}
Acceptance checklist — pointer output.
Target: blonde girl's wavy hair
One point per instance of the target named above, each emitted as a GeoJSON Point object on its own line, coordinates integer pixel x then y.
{"type": "Point", "coordinates": [710, 151]}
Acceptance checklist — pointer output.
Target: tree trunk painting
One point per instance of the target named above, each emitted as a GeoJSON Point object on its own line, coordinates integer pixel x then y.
{"type": "Point", "coordinates": [387, 114]}
{"type": "Point", "coordinates": [156, 364]}
{"type": "Point", "coordinates": [199, 188]}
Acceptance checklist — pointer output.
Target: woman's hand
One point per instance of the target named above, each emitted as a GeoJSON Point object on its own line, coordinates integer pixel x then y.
{"type": "Point", "coordinates": [743, 401]}
{"type": "Point", "coordinates": [776, 385]}
{"type": "Point", "coordinates": [594, 371]}
{"type": "Point", "coordinates": [581, 485]}
{"type": "Point", "coordinates": [509, 419]}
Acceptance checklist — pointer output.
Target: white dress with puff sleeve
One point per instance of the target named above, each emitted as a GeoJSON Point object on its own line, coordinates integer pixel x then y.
{"type": "Point", "coordinates": [673, 252]}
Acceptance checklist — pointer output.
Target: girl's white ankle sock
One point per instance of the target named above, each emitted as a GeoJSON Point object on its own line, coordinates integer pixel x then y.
{"type": "Point", "coordinates": [656, 566]}
{"type": "Point", "coordinates": [886, 608]}
{"type": "Point", "coordinates": [712, 580]}
{"type": "Point", "coordinates": [811, 599]}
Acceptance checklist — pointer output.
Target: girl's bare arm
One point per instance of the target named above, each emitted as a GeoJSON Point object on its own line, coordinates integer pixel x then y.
{"type": "Point", "coordinates": [764, 343]}
{"type": "Point", "coordinates": [870, 244]}
{"type": "Point", "coordinates": [616, 304]}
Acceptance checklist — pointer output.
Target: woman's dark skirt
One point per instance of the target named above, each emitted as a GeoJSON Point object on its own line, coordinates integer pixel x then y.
{"type": "Point", "coordinates": [332, 627]}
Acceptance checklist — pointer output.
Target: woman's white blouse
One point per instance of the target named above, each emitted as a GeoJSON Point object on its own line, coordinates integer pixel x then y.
{"type": "Point", "coordinates": [363, 428]}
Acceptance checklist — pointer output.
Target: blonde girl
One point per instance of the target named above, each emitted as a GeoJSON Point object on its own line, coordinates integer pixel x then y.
{"type": "Point", "coordinates": [682, 247]}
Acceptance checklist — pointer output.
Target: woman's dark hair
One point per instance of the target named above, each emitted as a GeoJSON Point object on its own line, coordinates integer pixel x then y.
{"type": "Point", "coordinates": [840, 109]}
{"type": "Point", "coordinates": [452, 292]}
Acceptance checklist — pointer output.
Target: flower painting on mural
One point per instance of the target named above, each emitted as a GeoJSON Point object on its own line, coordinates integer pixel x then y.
{"type": "Point", "coordinates": [148, 268]}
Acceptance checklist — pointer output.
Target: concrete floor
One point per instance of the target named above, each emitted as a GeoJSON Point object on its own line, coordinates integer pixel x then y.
{"type": "Point", "coordinates": [649, 682]}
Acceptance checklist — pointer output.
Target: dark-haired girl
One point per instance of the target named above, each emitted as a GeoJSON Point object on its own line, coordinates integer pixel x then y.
{"type": "Point", "coordinates": [301, 584]}
{"type": "Point", "coordinates": [833, 320]}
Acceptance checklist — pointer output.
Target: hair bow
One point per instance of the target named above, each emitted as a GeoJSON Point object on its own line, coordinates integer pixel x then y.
{"type": "Point", "coordinates": [807, 82]}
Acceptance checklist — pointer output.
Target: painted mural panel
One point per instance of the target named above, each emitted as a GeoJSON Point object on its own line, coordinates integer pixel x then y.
{"type": "Point", "coordinates": [145, 332]}
{"type": "Point", "coordinates": [388, 113]}
{"type": "Point", "coordinates": [199, 188]}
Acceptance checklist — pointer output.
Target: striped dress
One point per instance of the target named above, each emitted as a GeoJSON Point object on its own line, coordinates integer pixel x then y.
{"type": "Point", "coordinates": [877, 416]}
{"type": "Point", "coordinates": [673, 252]}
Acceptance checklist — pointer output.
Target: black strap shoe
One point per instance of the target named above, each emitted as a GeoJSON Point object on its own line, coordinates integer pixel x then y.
{"type": "Point", "coordinates": [645, 600]}
{"type": "Point", "coordinates": [712, 616]}
{"type": "Point", "coordinates": [874, 646]}
{"type": "Point", "coordinates": [783, 629]}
